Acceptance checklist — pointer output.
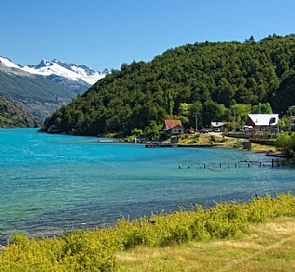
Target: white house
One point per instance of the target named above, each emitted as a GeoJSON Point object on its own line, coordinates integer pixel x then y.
{"type": "Point", "coordinates": [262, 121]}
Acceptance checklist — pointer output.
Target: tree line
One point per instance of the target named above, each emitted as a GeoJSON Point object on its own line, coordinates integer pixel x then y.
{"type": "Point", "coordinates": [208, 78]}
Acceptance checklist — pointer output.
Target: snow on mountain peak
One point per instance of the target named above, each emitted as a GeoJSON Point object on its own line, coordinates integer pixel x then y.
{"type": "Point", "coordinates": [69, 71]}
{"type": "Point", "coordinates": [45, 62]}
{"type": "Point", "coordinates": [56, 68]}
{"type": "Point", "coordinates": [7, 62]}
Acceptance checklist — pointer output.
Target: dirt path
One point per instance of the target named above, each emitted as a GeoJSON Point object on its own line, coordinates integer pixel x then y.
{"type": "Point", "coordinates": [239, 262]}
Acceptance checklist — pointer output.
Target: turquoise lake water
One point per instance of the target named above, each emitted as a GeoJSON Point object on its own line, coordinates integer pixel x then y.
{"type": "Point", "coordinates": [51, 183]}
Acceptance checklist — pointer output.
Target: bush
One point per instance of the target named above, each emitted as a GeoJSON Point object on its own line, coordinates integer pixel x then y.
{"type": "Point", "coordinates": [212, 139]}
{"type": "Point", "coordinates": [197, 136]}
{"type": "Point", "coordinates": [95, 250]}
{"type": "Point", "coordinates": [237, 145]}
{"type": "Point", "coordinates": [286, 143]}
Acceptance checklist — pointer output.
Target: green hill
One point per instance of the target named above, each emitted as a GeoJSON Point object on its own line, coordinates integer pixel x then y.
{"type": "Point", "coordinates": [12, 116]}
{"type": "Point", "coordinates": [211, 76]}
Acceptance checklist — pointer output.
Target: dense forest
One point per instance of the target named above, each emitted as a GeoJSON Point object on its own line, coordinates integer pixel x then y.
{"type": "Point", "coordinates": [209, 78]}
{"type": "Point", "coordinates": [13, 116]}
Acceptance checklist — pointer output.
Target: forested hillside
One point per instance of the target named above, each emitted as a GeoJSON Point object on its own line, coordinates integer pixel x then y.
{"type": "Point", "coordinates": [207, 78]}
{"type": "Point", "coordinates": [12, 116]}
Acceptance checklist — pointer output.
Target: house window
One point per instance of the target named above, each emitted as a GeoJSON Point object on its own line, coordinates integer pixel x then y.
{"type": "Point", "coordinates": [272, 120]}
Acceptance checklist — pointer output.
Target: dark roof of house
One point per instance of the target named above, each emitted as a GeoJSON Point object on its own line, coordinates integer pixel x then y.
{"type": "Point", "coordinates": [169, 124]}
{"type": "Point", "coordinates": [217, 124]}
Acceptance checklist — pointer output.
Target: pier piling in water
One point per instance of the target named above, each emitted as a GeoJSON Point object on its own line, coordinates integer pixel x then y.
{"type": "Point", "coordinates": [227, 165]}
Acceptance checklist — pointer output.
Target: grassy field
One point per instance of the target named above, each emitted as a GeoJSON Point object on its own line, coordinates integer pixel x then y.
{"type": "Point", "coordinates": [265, 247]}
{"type": "Point", "coordinates": [223, 141]}
{"type": "Point", "coordinates": [255, 236]}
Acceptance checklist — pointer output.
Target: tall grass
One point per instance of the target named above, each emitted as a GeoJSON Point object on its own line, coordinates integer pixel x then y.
{"type": "Point", "coordinates": [94, 250]}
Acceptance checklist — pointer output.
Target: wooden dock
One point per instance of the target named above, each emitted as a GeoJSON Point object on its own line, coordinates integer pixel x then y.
{"type": "Point", "coordinates": [108, 141]}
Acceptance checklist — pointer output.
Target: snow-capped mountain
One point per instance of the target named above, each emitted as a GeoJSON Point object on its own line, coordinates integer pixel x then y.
{"type": "Point", "coordinates": [69, 71]}
{"type": "Point", "coordinates": [52, 68]}
{"type": "Point", "coordinates": [43, 88]}
{"type": "Point", "coordinates": [8, 63]}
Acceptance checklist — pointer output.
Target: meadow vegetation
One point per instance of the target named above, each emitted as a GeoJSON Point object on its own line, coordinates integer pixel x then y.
{"type": "Point", "coordinates": [264, 247]}
{"type": "Point", "coordinates": [98, 249]}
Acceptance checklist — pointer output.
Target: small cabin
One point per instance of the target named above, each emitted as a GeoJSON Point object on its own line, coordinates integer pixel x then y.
{"type": "Point", "coordinates": [173, 127]}
{"type": "Point", "coordinates": [219, 126]}
{"type": "Point", "coordinates": [262, 121]}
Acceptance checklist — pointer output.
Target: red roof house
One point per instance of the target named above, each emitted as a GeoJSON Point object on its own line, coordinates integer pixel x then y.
{"type": "Point", "coordinates": [173, 127]}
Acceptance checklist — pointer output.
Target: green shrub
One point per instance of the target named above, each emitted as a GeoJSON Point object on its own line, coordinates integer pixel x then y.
{"type": "Point", "coordinates": [94, 250]}
{"type": "Point", "coordinates": [197, 137]}
{"type": "Point", "coordinates": [238, 145]}
{"type": "Point", "coordinates": [212, 139]}
{"type": "Point", "coordinates": [286, 142]}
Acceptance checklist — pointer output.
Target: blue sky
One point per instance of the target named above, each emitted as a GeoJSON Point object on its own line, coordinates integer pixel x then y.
{"type": "Point", "coordinates": [107, 33]}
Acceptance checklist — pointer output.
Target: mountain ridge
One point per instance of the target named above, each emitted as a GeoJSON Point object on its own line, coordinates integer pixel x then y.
{"type": "Point", "coordinates": [13, 116]}
{"type": "Point", "coordinates": [37, 95]}
{"type": "Point", "coordinates": [41, 89]}
{"type": "Point", "coordinates": [47, 68]}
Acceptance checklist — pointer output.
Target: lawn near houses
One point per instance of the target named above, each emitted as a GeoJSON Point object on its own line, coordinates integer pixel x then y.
{"type": "Point", "coordinates": [223, 141]}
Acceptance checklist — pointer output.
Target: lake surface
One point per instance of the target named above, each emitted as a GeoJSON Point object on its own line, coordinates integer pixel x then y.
{"type": "Point", "coordinates": [50, 183]}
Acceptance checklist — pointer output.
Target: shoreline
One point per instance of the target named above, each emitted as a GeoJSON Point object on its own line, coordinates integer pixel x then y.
{"type": "Point", "coordinates": [224, 221]}
{"type": "Point", "coordinates": [267, 149]}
